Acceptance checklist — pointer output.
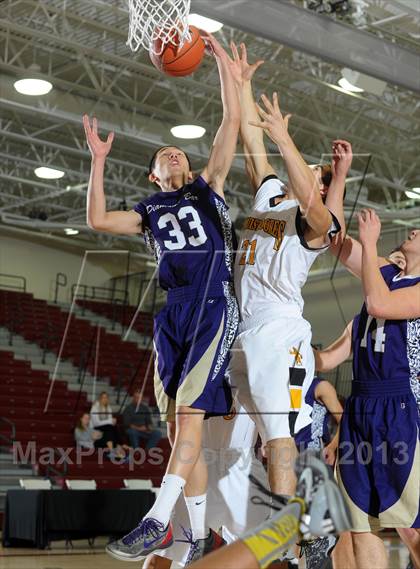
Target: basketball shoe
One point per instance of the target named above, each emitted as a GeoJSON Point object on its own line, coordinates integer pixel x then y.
{"type": "Point", "coordinates": [147, 537]}
{"type": "Point", "coordinates": [201, 547]}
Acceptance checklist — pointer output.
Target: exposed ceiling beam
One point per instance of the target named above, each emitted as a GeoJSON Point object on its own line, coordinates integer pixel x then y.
{"type": "Point", "coordinates": [304, 30]}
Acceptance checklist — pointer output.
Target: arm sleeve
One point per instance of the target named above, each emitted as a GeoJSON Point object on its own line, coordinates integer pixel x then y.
{"type": "Point", "coordinates": [83, 438]}
{"type": "Point", "coordinates": [96, 421]}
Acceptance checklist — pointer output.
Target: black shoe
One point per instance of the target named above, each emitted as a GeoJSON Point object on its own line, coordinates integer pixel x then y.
{"type": "Point", "coordinates": [201, 547]}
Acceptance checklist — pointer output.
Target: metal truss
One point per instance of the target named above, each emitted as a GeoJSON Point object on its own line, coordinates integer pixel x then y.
{"type": "Point", "coordinates": [80, 47]}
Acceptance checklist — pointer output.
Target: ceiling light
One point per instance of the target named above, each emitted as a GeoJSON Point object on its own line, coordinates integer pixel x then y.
{"type": "Point", "coordinates": [413, 194]}
{"type": "Point", "coordinates": [48, 173]}
{"type": "Point", "coordinates": [347, 86]}
{"type": "Point", "coordinates": [203, 23]}
{"type": "Point", "coordinates": [188, 131]}
{"type": "Point", "coordinates": [33, 87]}
{"type": "Point", "coordinates": [356, 82]}
{"type": "Point", "coordinates": [70, 231]}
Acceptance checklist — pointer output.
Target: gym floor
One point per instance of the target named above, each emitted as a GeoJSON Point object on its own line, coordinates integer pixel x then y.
{"type": "Point", "coordinates": [83, 557]}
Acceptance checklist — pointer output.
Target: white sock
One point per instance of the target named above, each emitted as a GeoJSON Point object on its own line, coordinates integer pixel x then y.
{"type": "Point", "coordinates": [196, 506]}
{"type": "Point", "coordinates": [170, 490]}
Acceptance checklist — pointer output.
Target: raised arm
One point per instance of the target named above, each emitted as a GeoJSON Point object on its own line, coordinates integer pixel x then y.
{"type": "Point", "coordinates": [224, 144]}
{"type": "Point", "coordinates": [301, 177]}
{"type": "Point", "coordinates": [349, 251]}
{"type": "Point", "coordinates": [119, 222]}
{"type": "Point", "coordinates": [380, 301]}
{"type": "Point", "coordinates": [338, 352]}
{"type": "Point", "coordinates": [341, 162]}
{"type": "Point", "coordinates": [257, 164]}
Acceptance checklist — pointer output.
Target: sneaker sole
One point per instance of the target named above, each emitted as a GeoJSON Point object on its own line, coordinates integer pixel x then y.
{"type": "Point", "coordinates": [339, 513]}
{"type": "Point", "coordinates": [137, 557]}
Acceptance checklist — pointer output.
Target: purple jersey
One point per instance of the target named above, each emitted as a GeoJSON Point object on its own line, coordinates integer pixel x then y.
{"type": "Point", "coordinates": [388, 349]}
{"type": "Point", "coordinates": [317, 433]}
{"type": "Point", "coordinates": [191, 235]}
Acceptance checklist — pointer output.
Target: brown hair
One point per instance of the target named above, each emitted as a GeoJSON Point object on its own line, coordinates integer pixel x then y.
{"type": "Point", "coordinates": [79, 424]}
{"type": "Point", "coordinates": [326, 174]}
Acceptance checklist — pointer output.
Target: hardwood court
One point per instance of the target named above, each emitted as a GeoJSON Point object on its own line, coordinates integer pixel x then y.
{"type": "Point", "coordinates": [83, 557]}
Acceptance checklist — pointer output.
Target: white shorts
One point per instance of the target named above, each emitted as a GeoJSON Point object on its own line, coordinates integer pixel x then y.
{"type": "Point", "coordinates": [272, 366]}
{"type": "Point", "coordinates": [229, 506]}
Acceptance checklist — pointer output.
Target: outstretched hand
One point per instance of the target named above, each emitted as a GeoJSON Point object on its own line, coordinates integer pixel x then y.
{"type": "Point", "coordinates": [272, 121]}
{"type": "Point", "coordinates": [342, 158]}
{"type": "Point", "coordinates": [369, 227]}
{"type": "Point", "coordinates": [245, 70]}
{"type": "Point", "coordinates": [239, 67]}
{"type": "Point", "coordinates": [98, 148]}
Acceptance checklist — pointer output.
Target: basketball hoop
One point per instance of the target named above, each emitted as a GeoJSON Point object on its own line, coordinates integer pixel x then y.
{"type": "Point", "coordinates": [154, 23]}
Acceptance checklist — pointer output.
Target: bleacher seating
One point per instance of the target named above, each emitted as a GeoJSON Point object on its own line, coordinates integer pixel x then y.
{"type": "Point", "coordinates": [142, 322]}
{"type": "Point", "coordinates": [122, 363]}
{"type": "Point", "coordinates": [24, 391]}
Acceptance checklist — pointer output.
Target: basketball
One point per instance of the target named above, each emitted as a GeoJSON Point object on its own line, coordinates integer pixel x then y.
{"type": "Point", "coordinates": [177, 61]}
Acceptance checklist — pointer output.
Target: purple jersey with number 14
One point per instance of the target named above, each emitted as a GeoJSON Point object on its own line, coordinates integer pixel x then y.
{"type": "Point", "coordinates": [388, 349]}
{"type": "Point", "coordinates": [379, 450]}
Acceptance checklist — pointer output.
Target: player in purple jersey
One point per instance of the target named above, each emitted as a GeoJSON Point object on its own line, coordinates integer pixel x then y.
{"type": "Point", "coordinates": [379, 451]}
{"type": "Point", "coordinates": [187, 226]}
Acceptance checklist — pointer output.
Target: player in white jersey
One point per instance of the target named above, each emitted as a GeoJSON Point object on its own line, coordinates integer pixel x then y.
{"type": "Point", "coordinates": [272, 361]}
{"type": "Point", "coordinates": [229, 444]}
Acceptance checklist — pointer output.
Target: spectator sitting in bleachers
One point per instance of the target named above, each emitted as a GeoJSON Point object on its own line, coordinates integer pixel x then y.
{"type": "Point", "coordinates": [85, 435]}
{"type": "Point", "coordinates": [137, 420]}
{"type": "Point", "coordinates": [102, 420]}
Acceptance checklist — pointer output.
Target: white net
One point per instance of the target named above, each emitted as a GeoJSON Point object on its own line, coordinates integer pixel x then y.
{"type": "Point", "coordinates": [154, 20]}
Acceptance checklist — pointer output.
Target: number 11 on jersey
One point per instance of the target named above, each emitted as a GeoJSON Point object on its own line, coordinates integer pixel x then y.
{"type": "Point", "coordinates": [248, 255]}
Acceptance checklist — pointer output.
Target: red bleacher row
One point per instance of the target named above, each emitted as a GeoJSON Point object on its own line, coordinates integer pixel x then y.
{"type": "Point", "coordinates": [121, 363]}
{"type": "Point", "coordinates": [24, 391]}
{"type": "Point", "coordinates": [141, 322]}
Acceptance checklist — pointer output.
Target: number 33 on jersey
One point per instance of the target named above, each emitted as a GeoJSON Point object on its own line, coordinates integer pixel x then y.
{"type": "Point", "coordinates": [190, 233]}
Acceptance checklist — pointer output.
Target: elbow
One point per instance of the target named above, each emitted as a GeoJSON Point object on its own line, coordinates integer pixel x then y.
{"type": "Point", "coordinates": [322, 363]}
{"type": "Point", "coordinates": [319, 362]}
{"type": "Point", "coordinates": [95, 224]}
{"type": "Point", "coordinates": [325, 228]}
{"type": "Point", "coordinates": [375, 308]}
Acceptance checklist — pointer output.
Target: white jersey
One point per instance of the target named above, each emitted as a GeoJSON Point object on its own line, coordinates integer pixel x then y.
{"type": "Point", "coordinates": [274, 260]}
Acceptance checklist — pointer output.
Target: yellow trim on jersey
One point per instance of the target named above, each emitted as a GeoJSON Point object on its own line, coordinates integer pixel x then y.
{"type": "Point", "coordinates": [295, 398]}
